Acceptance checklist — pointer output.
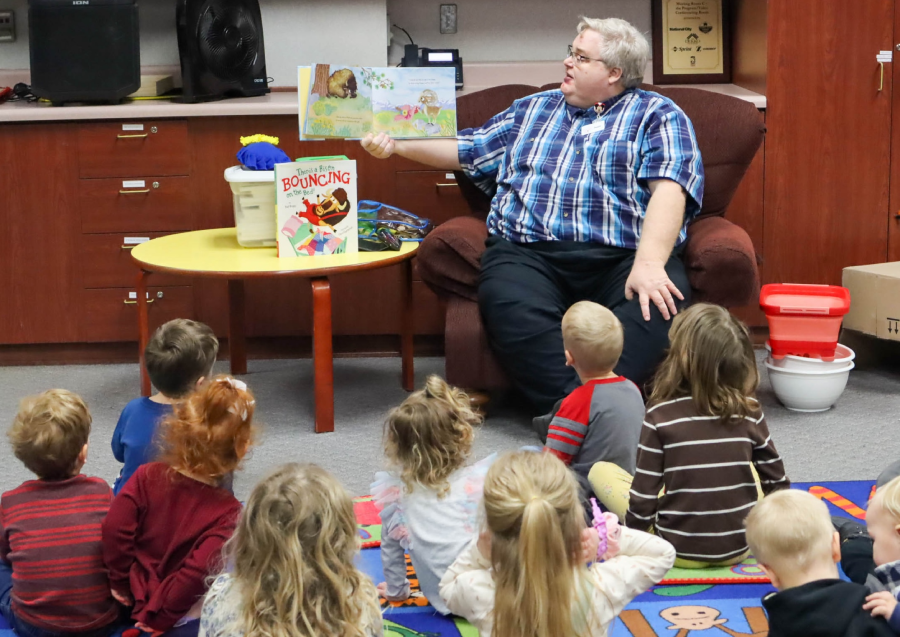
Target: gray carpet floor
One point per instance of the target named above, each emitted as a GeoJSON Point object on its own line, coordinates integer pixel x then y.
{"type": "Point", "coordinates": [852, 441]}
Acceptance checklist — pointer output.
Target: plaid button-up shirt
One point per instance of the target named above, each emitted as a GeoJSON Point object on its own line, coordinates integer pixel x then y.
{"type": "Point", "coordinates": [560, 173]}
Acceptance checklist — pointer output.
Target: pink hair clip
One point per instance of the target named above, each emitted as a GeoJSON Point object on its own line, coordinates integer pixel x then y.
{"type": "Point", "coordinates": [607, 526]}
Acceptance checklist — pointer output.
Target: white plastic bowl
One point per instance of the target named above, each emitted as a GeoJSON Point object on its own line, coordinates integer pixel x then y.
{"type": "Point", "coordinates": [843, 356]}
{"type": "Point", "coordinates": [805, 390]}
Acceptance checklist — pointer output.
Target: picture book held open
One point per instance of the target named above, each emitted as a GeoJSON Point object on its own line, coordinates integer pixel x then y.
{"type": "Point", "coordinates": [351, 101]}
{"type": "Point", "coordinates": [316, 206]}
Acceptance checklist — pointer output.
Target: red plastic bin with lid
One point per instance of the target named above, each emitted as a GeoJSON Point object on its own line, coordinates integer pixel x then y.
{"type": "Point", "coordinates": [804, 320]}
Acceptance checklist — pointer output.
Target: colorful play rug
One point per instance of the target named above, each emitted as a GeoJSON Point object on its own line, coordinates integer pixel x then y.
{"type": "Point", "coordinates": [847, 499]}
{"type": "Point", "coordinates": [722, 601]}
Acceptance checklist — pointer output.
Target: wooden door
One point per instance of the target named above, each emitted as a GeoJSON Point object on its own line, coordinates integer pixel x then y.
{"type": "Point", "coordinates": [893, 221]}
{"type": "Point", "coordinates": [827, 164]}
{"type": "Point", "coordinates": [39, 228]}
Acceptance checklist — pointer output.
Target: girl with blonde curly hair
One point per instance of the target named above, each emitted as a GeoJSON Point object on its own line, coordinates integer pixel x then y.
{"type": "Point", "coordinates": [429, 499]}
{"type": "Point", "coordinates": [166, 528]}
{"type": "Point", "coordinates": [526, 576]}
{"type": "Point", "coordinates": [292, 564]}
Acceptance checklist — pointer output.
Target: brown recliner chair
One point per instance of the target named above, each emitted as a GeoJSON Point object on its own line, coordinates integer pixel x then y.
{"type": "Point", "coordinates": [719, 256]}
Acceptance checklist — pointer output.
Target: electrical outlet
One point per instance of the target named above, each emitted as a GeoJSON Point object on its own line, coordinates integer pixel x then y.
{"type": "Point", "coordinates": [7, 26]}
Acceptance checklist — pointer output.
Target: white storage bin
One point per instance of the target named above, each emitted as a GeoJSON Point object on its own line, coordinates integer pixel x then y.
{"type": "Point", "coordinates": [254, 206]}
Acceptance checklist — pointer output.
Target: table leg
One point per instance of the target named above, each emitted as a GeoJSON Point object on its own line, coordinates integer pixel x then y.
{"type": "Point", "coordinates": [143, 329]}
{"type": "Point", "coordinates": [406, 328]}
{"type": "Point", "coordinates": [237, 336]}
{"type": "Point", "coordinates": [323, 360]}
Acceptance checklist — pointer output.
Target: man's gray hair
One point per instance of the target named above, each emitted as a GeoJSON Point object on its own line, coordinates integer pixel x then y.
{"type": "Point", "coordinates": [624, 47]}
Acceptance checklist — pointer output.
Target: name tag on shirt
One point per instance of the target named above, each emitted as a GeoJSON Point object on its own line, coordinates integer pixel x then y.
{"type": "Point", "coordinates": [593, 128]}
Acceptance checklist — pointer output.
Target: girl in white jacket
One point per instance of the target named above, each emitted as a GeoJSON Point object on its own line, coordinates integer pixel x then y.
{"type": "Point", "coordinates": [526, 575]}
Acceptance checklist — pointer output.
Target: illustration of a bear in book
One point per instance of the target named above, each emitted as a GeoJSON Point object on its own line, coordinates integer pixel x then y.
{"type": "Point", "coordinates": [334, 207]}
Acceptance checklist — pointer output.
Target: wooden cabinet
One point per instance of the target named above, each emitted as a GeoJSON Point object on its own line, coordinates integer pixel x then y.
{"type": "Point", "coordinates": [148, 204]}
{"type": "Point", "coordinates": [131, 148]}
{"type": "Point", "coordinates": [134, 185]}
{"type": "Point", "coordinates": [110, 314]}
{"type": "Point", "coordinates": [104, 260]}
{"type": "Point", "coordinates": [831, 165]}
{"type": "Point", "coordinates": [828, 149]}
{"type": "Point", "coordinates": [66, 275]}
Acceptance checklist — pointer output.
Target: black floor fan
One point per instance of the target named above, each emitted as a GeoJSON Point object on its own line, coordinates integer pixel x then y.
{"type": "Point", "coordinates": [220, 43]}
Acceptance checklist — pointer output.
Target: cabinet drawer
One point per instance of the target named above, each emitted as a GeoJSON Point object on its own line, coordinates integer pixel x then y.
{"type": "Point", "coordinates": [109, 315]}
{"type": "Point", "coordinates": [433, 194]}
{"type": "Point", "coordinates": [135, 205]}
{"type": "Point", "coordinates": [122, 149]}
{"type": "Point", "coordinates": [105, 261]}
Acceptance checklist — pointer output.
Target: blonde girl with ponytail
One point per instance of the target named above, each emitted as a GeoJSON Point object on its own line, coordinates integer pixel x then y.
{"type": "Point", "coordinates": [292, 571]}
{"type": "Point", "coordinates": [429, 499]}
{"type": "Point", "coordinates": [528, 574]}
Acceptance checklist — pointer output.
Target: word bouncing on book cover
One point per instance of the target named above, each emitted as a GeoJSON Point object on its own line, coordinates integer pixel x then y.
{"type": "Point", "coordinates": [317, 207]}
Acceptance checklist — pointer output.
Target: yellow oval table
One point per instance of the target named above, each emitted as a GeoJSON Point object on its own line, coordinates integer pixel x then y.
{"type": "Point", "coordinates": [217, 254]}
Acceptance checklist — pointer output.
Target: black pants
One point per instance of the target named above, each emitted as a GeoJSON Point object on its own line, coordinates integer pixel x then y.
{"type": "Point", "coordinates": [524, 290]}
{"type": "Point", "coordinates": [856, 552]}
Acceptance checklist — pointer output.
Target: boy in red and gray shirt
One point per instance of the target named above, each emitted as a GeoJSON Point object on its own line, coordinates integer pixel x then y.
{"type": "Point", "coordinates": [599, 423]}
{"type": "Point", "coordinates": [52, 577]}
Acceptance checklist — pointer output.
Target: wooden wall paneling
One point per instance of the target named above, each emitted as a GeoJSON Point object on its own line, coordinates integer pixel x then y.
{"type": "Point", "coordinates": [749, 35]}
{"type": "Point", "coordinates": [39, 278]}
{"type": "Point", "coordinates": [893, 221]}
{"type": "Point", "coordinates": [746, 210]}
{"type": "Point", "coordinates": [828, 145]}
{"type": "Point", "coordinates": [106, 150]}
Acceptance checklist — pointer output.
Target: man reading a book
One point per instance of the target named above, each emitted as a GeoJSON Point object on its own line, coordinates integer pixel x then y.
{"type": "Point", "coordinates": [593, 187]}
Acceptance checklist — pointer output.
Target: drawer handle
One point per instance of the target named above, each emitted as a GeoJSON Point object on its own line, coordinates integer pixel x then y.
{"type": "Point", "coordinates": [159, 295]}
{"type": "Point", "coordinates": [134, 192]}
{"type": "Point", "coordinates": [446, 185]}
{"type": "Point", "coordinates": [138, 136]}
{"type": "Point", "coordinates": [125, 247]}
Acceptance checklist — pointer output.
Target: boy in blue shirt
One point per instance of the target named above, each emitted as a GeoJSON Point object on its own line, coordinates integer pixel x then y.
{"type": "Point", "coordinates": [179, 357]}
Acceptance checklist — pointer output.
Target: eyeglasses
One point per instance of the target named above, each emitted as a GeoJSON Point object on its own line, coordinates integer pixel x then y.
{"type": "Point", "coordinates": [581, 59]}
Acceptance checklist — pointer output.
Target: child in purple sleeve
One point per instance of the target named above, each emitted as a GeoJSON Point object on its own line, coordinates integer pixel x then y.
{"type": "Point", "coordinates": [179, 357]}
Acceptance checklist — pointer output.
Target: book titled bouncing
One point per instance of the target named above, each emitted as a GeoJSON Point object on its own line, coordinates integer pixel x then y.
{"type": "Point", "coordinates": [316, 207]}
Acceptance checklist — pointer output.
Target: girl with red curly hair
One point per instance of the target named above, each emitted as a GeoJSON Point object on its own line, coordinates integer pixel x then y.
{"type": "Point", "coordinates": [165, 530]}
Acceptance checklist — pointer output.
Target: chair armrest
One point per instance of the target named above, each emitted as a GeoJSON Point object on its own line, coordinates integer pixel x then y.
{"type": "Point", "coordinates": [721, 263]}
{"type": "Point", "coordinates": [450, 257]}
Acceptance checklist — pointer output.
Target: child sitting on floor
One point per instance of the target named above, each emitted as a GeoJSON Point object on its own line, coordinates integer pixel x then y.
{"type": "Point", "coordinates": [179, 357]}
{"type": "Point", "coordinates": [429, 504]}
{"type": "Point", "coordinates": [52, 578]}
{"type": "Point", "coordinates": [791, 536]}
{"type": "Point", "coordinates": [526, 575]}
{"type": "Point", "coordinates": [704, 440]}
{"type": "Point", "coordinates": [165, 530]}
{"type": "Point", "coordinates": [599, 422]}
{"type": "Point", "coordinates": [292, 564]}
{"type": "Point", "coordinates": [883, 529]}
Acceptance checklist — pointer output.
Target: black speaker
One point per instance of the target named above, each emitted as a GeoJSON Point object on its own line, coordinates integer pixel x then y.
{"type": "Point", "coordinates": [220, 43]}
{"type": "Point", "coordinates": [84, 50]}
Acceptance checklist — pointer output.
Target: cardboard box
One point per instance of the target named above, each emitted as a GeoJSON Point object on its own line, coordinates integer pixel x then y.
{"type": "Point", "coordinates": [154, 85]}
{"type": "Point", "coordinates": [874, 299]}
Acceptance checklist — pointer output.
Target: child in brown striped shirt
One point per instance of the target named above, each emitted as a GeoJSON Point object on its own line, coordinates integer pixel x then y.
{"type": "Point", "coordinates": [705, 453]}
